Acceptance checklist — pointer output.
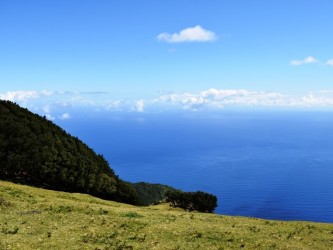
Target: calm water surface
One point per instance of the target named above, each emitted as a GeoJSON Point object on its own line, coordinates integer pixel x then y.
{"type": "Point", "coordinates": [269, 165]}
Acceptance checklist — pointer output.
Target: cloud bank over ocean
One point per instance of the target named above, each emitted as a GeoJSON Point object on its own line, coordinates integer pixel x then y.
{"type": "Point", "coordinates": [61, 102]}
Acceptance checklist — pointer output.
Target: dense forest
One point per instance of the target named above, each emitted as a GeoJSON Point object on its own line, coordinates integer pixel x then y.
{"type": "Point", "coordinates": [35, 151]}
{"type": "Point", "coordinates": [199, 201]}
{"type": "Point", "coordinates": [150, 194]}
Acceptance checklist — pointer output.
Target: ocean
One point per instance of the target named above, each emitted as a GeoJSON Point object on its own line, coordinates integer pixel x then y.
{"type": "Point", "coordinates": [265, 164]}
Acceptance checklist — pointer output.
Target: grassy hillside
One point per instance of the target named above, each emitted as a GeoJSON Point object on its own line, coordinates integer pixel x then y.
{"type": "Point", "coordinates": [33, 218]}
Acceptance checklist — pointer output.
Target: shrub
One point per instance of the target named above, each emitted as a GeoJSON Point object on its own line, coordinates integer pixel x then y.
{"type": "Point", "coordinates": [200, 201]}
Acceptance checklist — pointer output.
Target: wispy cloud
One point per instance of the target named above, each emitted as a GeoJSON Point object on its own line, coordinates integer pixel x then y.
{"type": "Point", "coordinates": [216, 99]}
{"type": "Point", "coordinates": [61, 105]}
{"type": "Point", "coordinates": [50, 117]}
{"type": "Point", "coordinates": [307, 60]}
{"type": "Point", "coordinates": [330, 62]}
{"type": "Point", "coordinates": [23, 95]}
{"type": "Point", "coordinates": [65, 116]}
{"type": "Point", "coordinates": [311, 60]}
{"type": "Point", "coordinates": [192, 34]}
{"type": "Point", "coordinates": [219, 98]}
{"type": "Point", "coordinates": [139, 106]}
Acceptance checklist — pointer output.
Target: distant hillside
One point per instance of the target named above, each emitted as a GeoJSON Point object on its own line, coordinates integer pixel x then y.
{"type": "Point", "coordinates": [34, 218]}
{"type": "Point", "coordinates": [35, 151]}
{"type": "Point", "coordinates": [150, 194]}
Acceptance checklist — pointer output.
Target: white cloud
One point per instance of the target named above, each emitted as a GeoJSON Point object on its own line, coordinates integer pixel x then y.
{"type": "Point", "coordinates": [330, 62]}
{"type": "Point", "coordinates": [113, 105]}
{"type": "Point", "coordinates": [22, 96]}
{"type": "Point", "coordinates": [47, 109]}
{"type": "Point", "coordinates": [65, 116]}
{"type": "Point", "coordinates": [60, 106]}
{"type": "Point", "coordinates": [49, 117]}
{"type": "Point", "coordinates": [192, 34]}
{"type": "Point", "coordinates": [220, 98]}
{"type": "Point", "coordinates": [317, 99]}
{"type": "Point", "coordinates": [307, 60]}
{"type": "Point", "coordinates": [139, 106]}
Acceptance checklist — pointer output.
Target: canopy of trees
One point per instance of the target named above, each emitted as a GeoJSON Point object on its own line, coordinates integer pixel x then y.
{"type": "Point", "coordinates": [151, 193]}
{"type": "Point", "coordinates": [199, 201]}
{"type": "Point", "coordinates": [35, 151]}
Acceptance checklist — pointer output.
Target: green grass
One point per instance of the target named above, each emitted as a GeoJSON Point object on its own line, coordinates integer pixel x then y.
{"type": "Point", "coordinates": [32, 218]}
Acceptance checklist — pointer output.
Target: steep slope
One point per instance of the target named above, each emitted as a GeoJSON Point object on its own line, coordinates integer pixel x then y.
{"type": "Point", "coordinates": [35, 151]}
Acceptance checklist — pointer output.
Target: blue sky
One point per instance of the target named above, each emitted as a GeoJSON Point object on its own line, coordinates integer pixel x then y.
{"type": "Point", "coordinates": [143, 50]}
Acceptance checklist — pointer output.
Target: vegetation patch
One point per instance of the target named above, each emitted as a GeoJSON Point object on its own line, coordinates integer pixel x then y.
{"type": "Point", "coordinates": [151, 194]}
{"type": "Point", "coordinates": [13, 230]}
{"type": "Point", "coordinates": [199, 201]}
{"type": "Point", "coordinates": [4, 203]}
{"type": "Point", "coordinates": [132, 215]}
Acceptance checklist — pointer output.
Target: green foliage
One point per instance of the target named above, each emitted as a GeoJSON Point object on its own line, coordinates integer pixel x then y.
{"type": "Point", "coordinates": [199, 201]}
{"type": "Point", "coordinates": [132, 215]}
{"type": "Point", "coordinates": [35, 151]}
{"type": "Point", "coordinates": [10, 231]}
{"type": "Point", "coordinates": [4, 203]}
{"type": "Point", "coordinates": [150, 194]}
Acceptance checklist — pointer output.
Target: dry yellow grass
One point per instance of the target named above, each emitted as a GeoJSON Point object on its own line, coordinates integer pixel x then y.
{"type": "Point", "coordinates": [32, 218]}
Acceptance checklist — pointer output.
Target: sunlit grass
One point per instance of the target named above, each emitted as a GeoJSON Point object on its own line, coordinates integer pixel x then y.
{"type": "Point", "coordinates": [32, 218]}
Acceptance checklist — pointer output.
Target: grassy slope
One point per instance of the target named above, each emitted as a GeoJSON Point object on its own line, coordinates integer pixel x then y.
{"type": "Point", "coordinates": [32, 218]}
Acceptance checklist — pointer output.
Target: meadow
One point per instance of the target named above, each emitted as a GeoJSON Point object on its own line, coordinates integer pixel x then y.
{"type": "Point", "coordinates": [33, 218]}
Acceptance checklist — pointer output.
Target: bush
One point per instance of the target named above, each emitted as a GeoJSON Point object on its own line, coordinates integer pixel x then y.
{"type": "Point", "coordinates": [199, 201]}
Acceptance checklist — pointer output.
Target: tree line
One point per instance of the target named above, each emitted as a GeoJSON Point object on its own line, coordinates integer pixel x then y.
{"type": "Point", "coordinates": [199, 201]}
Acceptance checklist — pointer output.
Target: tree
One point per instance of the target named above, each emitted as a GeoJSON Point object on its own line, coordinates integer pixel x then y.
{"type": "Point", "coordinates": [199, 201]}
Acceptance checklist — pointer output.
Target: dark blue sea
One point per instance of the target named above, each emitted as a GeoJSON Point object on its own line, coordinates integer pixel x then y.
{"type": "Point", "coordinates": [274, 165]}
